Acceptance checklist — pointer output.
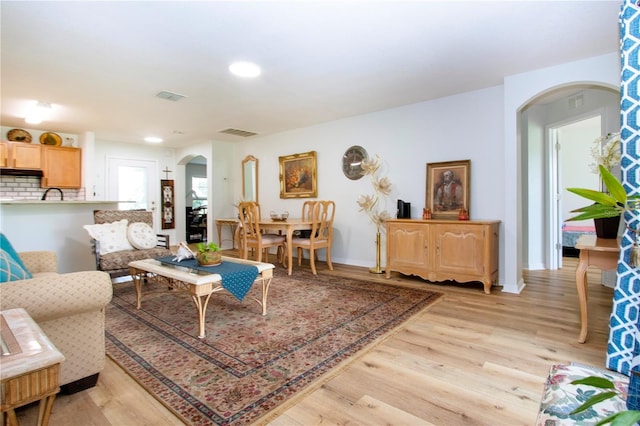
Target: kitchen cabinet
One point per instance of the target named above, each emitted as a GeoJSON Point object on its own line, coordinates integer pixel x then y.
{"type": "Point", "coordinates": [20, 155]}
{"type": "Point", "coordinates": [442, 250]}
{"type": "Point", "coordinates": [62, 167]}
{"type": "Point", "coordinates": [4, 154]}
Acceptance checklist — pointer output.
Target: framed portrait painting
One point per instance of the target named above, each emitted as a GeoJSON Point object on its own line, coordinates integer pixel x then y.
{"type": "Point", "coordinates": [448, 188]}
{"type": "Point", "coordinates": [298, 176]}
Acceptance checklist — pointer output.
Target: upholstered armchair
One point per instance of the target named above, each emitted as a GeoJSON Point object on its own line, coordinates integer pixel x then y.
{"type": "Point", "coordinates": [115, 258]}
{"type": "Point", "coordinates": [70, 309]}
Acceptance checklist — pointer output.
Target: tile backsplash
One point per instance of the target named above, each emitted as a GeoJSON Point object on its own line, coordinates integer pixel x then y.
{"type": "Point", "coordinates": [28, 188]}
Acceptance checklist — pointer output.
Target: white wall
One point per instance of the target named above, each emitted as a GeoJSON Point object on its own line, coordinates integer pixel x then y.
{"type": "Point", "coordinates": [533, 167]}
{"type": "Point", "coordinates": [54, 227]}
{"type": "Point", "coordinates": [459, 127]}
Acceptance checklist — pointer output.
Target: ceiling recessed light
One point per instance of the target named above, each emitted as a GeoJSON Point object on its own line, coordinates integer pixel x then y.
{"type": "Point", "coordinates": [38, 113]}
{"type": "Point", "coordinates": [245, 69]}
{"type": "Point", "coordinates": [153, 139]}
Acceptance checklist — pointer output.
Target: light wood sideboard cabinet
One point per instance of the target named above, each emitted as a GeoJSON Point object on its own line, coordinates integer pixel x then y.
{"type": "Point", "coordinates": [62, 167]}
{"type": "Point", "coordinates": [441, 250]}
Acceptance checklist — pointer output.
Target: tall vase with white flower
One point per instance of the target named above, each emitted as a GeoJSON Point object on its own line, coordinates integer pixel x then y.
{"type": "Point", "coordinates": [606, 152]}
{"type": "Point", "coordinates": [371, 203]}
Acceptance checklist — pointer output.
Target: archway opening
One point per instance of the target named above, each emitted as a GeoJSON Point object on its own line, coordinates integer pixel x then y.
{"type": "Point", "coordinates": [542, 155]}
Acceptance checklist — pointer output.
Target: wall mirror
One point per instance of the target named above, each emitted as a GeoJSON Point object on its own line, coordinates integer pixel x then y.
{"type": "Point", "coordinates": [250, 178]}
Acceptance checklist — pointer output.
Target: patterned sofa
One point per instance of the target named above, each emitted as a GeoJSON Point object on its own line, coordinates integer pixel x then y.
{"type": "Point", "coordinates": [70, 309]}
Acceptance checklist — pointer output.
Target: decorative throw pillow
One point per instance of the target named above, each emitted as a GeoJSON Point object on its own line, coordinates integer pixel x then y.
{"type": "Point", "coordinates": [5, 245]}
{"type": "Point", "coordinates": [560, 397]}
{"type": "Point", "coordinates": [111, 236]}
{"type": "Point", "coordinates": [10, 269]}
{"type": "Point", "coordinates": [141, 236]}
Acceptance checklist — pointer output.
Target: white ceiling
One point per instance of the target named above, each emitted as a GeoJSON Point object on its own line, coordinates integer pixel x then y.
{"type": "Point", "coordinates": [102, 63]}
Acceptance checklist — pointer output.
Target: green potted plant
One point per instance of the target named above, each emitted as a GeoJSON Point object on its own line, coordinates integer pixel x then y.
{"type": "Point", "coordinates": [208, 254]}
{"type": "Point", "coordinates": [609, 204]}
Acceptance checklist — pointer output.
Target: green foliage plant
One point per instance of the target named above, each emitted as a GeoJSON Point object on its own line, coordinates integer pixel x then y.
{"type": "Point", "coordinates": [204, 247]}
{"type": "Point", "coordinates": [622, 418]}
{"type": "Point", "coordinates": [612, 203]}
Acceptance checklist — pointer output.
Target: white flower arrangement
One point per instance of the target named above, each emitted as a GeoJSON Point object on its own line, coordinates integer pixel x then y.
{"type": "Point", "coordinates": [382, 188]}
{"type": "Point", "coordinates": [606, 151]}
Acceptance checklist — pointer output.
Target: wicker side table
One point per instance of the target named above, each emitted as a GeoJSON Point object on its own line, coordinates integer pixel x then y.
{"type": "Point", "coordinates": [29, 366]}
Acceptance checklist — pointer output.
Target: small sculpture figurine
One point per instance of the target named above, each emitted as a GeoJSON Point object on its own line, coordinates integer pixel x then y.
{"type": "Point", "coordinates": [184, 252]}
{"type": "Point", "coordinates": [426, 214]}
{"type": "Point", "coordinates": [463, 214]}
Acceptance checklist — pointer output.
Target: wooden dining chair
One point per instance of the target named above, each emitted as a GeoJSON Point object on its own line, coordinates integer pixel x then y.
{"type": "Point", "coordinates": [307, 210]}
{"type": "Point", "coordinates": [251, 236]}
{"type": "Point", "coordinates": [307, 214]}
{"type": "Point", "coordinates": [321, 236]}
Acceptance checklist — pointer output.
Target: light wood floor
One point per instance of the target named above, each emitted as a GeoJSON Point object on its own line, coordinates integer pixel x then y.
{"type": "Point", "coordinates": [470, 359]}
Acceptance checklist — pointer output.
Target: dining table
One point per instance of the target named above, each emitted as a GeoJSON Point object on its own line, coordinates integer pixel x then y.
{"type": "Point", "coordinates": [286, 228]}
{"type": "Point", "coordinates": [232, 222]}
{"type": "Point", "coordinates": [283, 227]}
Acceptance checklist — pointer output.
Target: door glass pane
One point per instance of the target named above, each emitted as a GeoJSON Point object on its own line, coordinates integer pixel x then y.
{"type": "Point", "coordinates": [132, 186]}
{"type": "Point", "coordinates": [199, 188]}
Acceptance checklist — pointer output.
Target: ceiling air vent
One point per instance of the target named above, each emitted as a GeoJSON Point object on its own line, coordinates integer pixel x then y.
{"type": "Point", "coordinates": [237, 132]}
{"type": "Point", "coordinates": [576, 101]}
{"type": "Point", "coordinates": [170, 96]}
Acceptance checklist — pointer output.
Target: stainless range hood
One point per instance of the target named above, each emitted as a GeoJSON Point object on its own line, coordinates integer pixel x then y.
{"type": "Point", "coordinates": [21, 172]}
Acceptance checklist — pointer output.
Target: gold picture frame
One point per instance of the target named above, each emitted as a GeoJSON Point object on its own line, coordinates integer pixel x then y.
{"type": "Point", "coordinates": [448, 188]}
{"type": "Point", "coordinates": [298, 175]}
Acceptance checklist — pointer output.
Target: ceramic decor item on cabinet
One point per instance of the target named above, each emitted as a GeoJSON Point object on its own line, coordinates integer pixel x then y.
{"type": "Point", "coordinates": [50, 138]}
{"type": "Point", "coordinates": [19, 135]}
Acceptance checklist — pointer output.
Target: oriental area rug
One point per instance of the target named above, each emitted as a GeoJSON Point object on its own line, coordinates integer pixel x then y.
{"type": "Point", "coordinates": [249, 364]}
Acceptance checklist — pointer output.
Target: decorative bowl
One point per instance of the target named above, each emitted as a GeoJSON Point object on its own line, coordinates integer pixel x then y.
{"type": "Point", "coordinates": [279, 217]}
{"type": "Point", "coordinates": [209, 258]}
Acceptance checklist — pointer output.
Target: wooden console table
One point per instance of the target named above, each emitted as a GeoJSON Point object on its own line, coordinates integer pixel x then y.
{"type": "Point", "coordinates": [29, 366]}
{"type": "Point", "coordinates": [601, 253]}
{"type": "Point", "coordinates": [233, 225]}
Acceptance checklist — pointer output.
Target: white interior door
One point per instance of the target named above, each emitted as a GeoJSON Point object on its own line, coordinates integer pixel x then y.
{"type": "Point", "coordinates": [571, 155]}
{"type": "Point", "coordinates": [133, 181]}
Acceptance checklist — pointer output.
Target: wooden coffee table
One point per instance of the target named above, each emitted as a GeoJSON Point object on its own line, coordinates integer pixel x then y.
{"type": "Point", "coordinates": [29, 366]}
{"type": "Point", "coordinates": [198, 284]}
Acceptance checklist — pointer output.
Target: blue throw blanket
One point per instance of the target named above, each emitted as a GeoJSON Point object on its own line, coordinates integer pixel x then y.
{"type": "Point", "coordinates": [237, 278]}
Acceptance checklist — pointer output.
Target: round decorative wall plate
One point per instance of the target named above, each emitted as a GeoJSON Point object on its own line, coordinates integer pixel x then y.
{"type": "Point", "coordinates": [19, 135]}
{"type": "Point", "coordinates": [352, 162]}
{"type": "Point", "coordinates": [50, 138]}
